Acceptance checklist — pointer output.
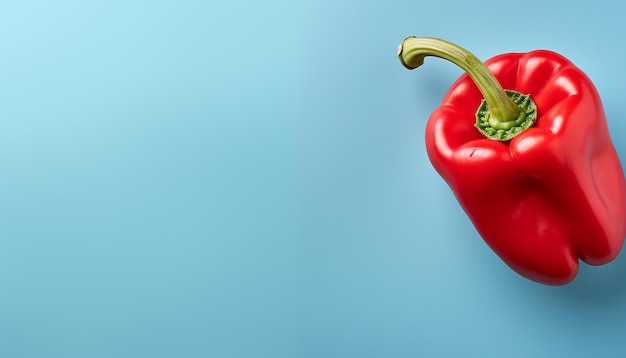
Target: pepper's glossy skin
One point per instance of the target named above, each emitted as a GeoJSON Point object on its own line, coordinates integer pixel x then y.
{"type": "Point", "coordinates": [552, 195]}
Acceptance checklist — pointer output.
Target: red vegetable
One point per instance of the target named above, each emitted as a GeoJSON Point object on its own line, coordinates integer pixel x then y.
{"type": "Point", "coordinates": [543, 192]}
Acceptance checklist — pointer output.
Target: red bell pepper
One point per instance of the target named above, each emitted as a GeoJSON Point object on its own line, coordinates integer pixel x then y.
{"type": "Point", "coordinates": [533, 167]}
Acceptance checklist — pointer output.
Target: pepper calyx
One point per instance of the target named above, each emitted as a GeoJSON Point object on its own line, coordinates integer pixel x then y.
{"type": "Point", "coordinates": [496, 129]}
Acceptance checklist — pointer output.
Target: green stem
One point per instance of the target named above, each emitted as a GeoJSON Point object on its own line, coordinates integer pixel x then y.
{"type": "Point", "coordinates": [501, 108]}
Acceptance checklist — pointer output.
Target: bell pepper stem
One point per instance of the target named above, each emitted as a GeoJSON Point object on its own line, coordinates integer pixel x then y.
{"type": "Point", "coordinates": [413, 50]}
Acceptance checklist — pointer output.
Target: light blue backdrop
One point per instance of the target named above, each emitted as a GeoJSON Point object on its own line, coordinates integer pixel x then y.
{"type": "Point", "coordinates": [225, 179]}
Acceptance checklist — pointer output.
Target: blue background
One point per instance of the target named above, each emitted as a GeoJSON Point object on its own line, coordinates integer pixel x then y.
{"type": "Point", "coordinates": [226, 179]}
